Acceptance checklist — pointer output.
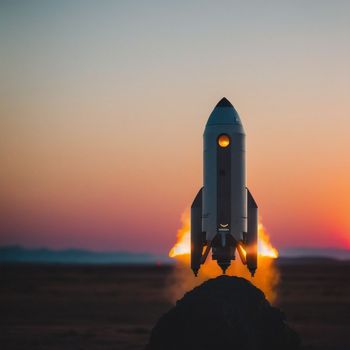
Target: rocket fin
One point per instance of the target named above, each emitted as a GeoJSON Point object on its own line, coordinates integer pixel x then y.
{"type": "Point", "coordinates": [197, 236]}
{"type": "Point", "coordinates": [252, 235]}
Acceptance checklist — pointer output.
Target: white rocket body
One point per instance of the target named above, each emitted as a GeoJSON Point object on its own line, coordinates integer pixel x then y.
{"type": "Point", "coordinates": [222, 202]}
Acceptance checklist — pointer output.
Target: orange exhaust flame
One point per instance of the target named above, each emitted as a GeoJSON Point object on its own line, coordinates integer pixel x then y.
{"type": "Point", "coordinates": [183, 244]}
{"type": "Point", "coordinates": [182, 279]}
{"type": "Point", "coordinates": [265, 248]}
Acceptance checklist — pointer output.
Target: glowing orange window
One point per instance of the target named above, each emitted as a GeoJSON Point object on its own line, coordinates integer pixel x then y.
{"type": "Point", "coordinates": [223, 140]}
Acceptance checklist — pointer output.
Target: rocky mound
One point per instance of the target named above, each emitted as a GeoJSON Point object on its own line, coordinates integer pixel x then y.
{"type": "Point", "coordinates": [223, 313]}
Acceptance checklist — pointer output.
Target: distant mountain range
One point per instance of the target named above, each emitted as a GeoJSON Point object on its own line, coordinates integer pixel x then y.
{"type": "Point", "coordinates": [333, 253]}
{"type": "Point", "coordinates": [76, 256]}
{"type": "Point", "coordinates": [80, 256]}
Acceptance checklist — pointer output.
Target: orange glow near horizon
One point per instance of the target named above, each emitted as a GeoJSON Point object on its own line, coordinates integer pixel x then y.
{"type": "Point", "coordinates": [101, 145]}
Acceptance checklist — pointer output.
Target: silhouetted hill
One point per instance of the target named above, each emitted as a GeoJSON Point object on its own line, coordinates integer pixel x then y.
{"type": "Point", "coordinates": [243, 319]}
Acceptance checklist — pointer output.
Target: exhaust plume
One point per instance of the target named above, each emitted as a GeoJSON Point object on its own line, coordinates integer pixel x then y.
{"type": "Point", "coordinates": [182, 279]}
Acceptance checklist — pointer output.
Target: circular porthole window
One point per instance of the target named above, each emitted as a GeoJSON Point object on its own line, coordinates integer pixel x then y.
{"type": "Point", "coordinates": [223, 140]}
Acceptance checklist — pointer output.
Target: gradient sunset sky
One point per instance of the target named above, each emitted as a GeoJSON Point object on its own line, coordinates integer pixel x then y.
{"type": "Point", "coordinates": [103, 106]}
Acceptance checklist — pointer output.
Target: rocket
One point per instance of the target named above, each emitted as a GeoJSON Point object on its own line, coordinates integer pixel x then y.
{"type": "Point", "coordinates": [224, 214]}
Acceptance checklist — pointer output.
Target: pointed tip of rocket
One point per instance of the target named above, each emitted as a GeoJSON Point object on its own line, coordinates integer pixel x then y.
{"type": "Point", "coordinates": [224, 102]}
{"type": "Point", "coordinates": [225, 114]}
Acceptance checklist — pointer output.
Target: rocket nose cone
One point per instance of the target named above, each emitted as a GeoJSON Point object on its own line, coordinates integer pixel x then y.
{"type": "Point", "coordinates": [224, 102]}
{"type": "Point", "coordinates": [224, 114]}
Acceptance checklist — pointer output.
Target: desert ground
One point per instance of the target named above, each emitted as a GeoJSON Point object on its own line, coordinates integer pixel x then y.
{"type": "Point", "coordinates": [115, 307]}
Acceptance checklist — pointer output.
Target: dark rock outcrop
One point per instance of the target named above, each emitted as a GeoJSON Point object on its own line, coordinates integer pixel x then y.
{"type": "Point", "coordinates": [223, 313]}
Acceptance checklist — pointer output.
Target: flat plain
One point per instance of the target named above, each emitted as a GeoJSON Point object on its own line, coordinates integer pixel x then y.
{"type": "Point", "coordinates": [115, 307]}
